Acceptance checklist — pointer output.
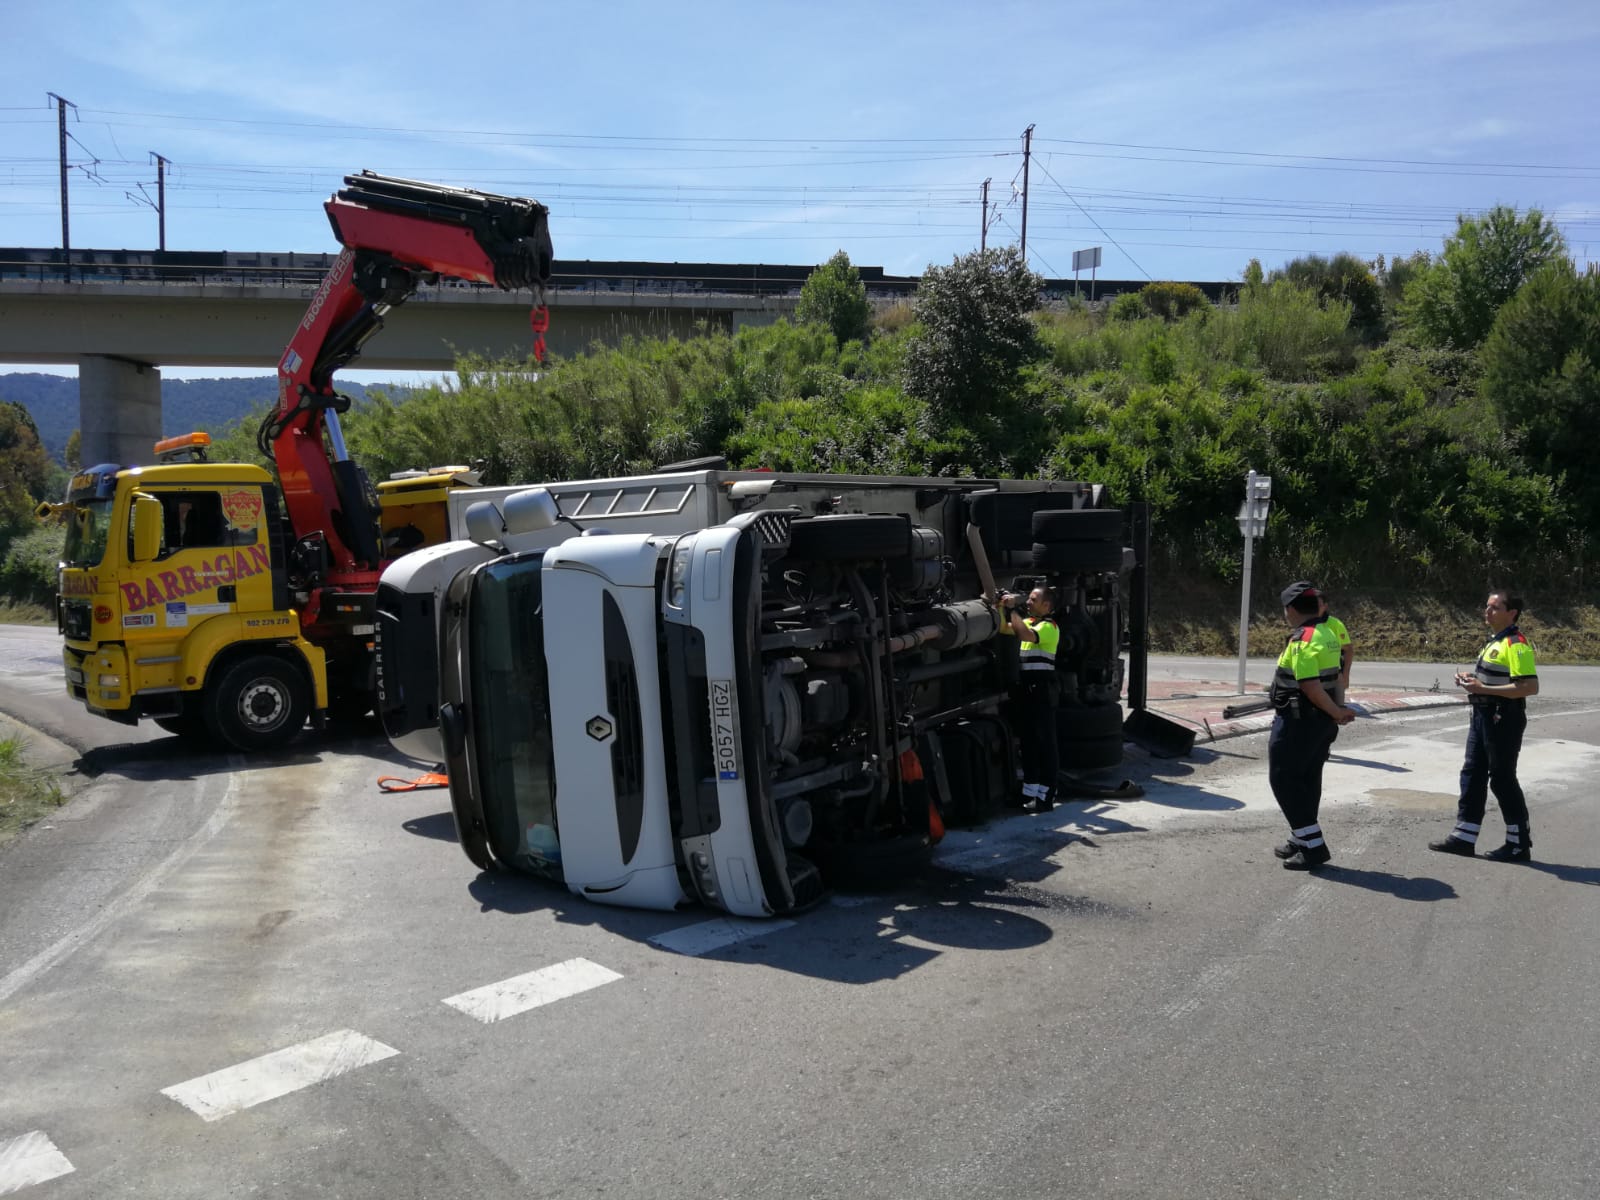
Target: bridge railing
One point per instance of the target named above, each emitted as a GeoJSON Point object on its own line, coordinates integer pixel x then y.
{"type": "Point", "coordinates": [309, 276]}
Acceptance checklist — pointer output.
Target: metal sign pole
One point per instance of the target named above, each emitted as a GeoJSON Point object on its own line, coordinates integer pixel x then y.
{"type": "Point", "coordinates": [1244, 612]}
{"type": "Point", "coordinates": [1252, 524]}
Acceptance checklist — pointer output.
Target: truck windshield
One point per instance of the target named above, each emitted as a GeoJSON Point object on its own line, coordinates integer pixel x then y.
{"type": "Point", "coordinates": [88, 525]}
{"type": "Point", "coordinates": [511, 714]}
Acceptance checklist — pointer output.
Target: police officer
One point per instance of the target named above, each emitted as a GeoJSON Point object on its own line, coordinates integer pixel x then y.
{"type": "Point", "coordinates": [1305, 725]}
{"type": "Point", "coordinates": [1346, 653]}
{"type": "Point", "coordinates": [1498, 689]}
{"type": "Point", "coordinates": [1039, 695]}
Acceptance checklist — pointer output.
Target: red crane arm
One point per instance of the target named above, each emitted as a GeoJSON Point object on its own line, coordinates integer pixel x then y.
{"type": "Point", "coordinates": [394, 232]}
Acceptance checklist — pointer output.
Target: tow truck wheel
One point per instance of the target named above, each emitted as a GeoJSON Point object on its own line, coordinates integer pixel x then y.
{"type": "Point", "coordinates": [259, 704]}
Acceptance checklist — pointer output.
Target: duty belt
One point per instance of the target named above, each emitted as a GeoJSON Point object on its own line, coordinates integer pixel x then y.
{"type": "Point", "coordinates": [1495, 703]}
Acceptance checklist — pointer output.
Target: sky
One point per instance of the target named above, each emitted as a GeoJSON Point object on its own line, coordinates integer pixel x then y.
{"type": "Point", "coordinates": [1183, 137]}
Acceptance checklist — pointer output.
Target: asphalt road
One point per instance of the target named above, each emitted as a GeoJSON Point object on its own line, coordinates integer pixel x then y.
{"type": "Point", "coordinates": [1120, 999]}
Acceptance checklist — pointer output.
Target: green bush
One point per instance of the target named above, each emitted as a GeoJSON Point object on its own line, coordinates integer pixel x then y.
{"type": "Point", "coordinates": [1172, 301]}
{"type": "Point", "coordinates": [1128, 306]}
{"type": "Point", "coordinates": [28, 573]}
{"type": "Point", "coordinates": [834, 296]}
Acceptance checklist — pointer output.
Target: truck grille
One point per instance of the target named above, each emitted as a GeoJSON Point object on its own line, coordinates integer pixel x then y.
{"type": "Point", "coordinates": [77, 620]}
{"type": "Point", "coordinates": [627, 747]}
{"type": "Point", "coordinates": [774, 527]}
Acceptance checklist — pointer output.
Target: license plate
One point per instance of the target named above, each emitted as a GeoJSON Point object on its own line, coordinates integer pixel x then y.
{"type": "Point", "coordinates": [724, 729]}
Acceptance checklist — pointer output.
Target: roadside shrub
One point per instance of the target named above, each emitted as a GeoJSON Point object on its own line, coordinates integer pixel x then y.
{"type": "Point", "coordinates": [1171, 301]}
{"type": "Point", "coordinates": [28, 573]}
{"type": "Point", "coordinates": [1129, 306]}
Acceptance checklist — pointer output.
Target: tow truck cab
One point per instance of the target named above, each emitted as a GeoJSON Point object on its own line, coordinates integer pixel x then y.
{"type": "Point", "coordinates": [171, 577]}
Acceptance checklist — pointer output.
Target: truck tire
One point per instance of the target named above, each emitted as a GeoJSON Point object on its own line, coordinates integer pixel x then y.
{"type": "Point", "coordinates": [1089, 736]}
{"type": "Point", "coordinates": [259, 703]}
{"type": "Point", "coordinates": [1073, 558]}
{"type": "Point", "coordinates": [1092, 753]}
{"type": "Point", "coordinates": [1089, 722]}
{"type": "Point", "coordinates": [850, 537]}
{"type": "Point", "coordinates": [1078, 525]}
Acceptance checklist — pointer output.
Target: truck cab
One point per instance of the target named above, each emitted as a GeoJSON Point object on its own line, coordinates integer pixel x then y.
{"type": "Point", "coordinates": [175, 604]}
{"type": "Point", "coordinates": [740, 712]}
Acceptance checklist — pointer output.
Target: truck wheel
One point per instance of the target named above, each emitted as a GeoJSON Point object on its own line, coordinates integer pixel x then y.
{"type": "Point", "coordinates": [1091, 753]}
{"type": "Point", "coordinates": [850, 537]}
{"type": "Point", "coordinates": [1088, 722]}
{"type": "Point", "coordinates": [259, 704]}
{"type": "Point", "coordinates": [1072, 558]}
{"type": "Point", "coordinates": [1078, 525]}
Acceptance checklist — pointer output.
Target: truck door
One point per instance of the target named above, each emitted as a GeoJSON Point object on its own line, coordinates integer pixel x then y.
{"type": "Point", "coordinates": [214, 559]}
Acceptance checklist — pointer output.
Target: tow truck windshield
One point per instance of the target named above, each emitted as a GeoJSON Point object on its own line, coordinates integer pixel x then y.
{"type": "Point", "coordinates": [511, 714]}
{"type": "Point", "coordinates": [87, 530]}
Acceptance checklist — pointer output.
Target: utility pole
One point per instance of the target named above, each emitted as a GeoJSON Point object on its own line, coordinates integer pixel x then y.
{"type": "Point", "coordinates": [161, 196]}
{"type": "Point", "coordinates": [1027, 149]}
{"type": "Point", "coordinates": [61, 130]}
{"type": "Point", "coordinates": [983, 222]}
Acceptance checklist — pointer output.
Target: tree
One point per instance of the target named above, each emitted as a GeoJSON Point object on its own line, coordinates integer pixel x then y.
{"type": "Point", "coordinates": [834, 296]}
{"type": "Point", "coordinates": [1541, 371]}
{"type": "Point", "coordinates": [1454, 301]}
{"type": "Point", "coordinates": [1342, 277]}
{"type": "Point", "coordinates": [24, 468]}
{"type": "Point", "coordinates": [975, 334]}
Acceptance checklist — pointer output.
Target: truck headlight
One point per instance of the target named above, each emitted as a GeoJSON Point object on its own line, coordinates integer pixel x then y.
{"type": "Point", "coordinates": [110, 680]}
{"type": "Point", "coordinates": [678, 572]}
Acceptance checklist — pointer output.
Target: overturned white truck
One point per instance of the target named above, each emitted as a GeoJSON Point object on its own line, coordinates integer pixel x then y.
{"type": "Point", "coordinates": [734, 686]}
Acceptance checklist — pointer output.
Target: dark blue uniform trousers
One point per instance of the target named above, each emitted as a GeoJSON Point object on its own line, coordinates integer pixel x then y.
{"type": "Point", "coordinates": [1296, 751]}
{"type": "Point", "coordinates": [1494, 741]}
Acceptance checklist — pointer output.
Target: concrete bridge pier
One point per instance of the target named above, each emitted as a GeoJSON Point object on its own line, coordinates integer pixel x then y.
{"type": "Point", "coordinates": [119, 410]}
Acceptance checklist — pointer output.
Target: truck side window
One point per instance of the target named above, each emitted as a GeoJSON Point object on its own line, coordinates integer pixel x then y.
{"type": "Point", "coordinates": [193, 520]}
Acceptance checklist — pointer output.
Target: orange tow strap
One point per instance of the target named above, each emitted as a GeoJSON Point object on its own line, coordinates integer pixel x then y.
{"type": "Point", "coordinates": [393, 783]}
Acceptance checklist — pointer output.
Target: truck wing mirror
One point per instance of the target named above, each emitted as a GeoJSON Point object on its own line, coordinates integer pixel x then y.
{"type": "Point", "coordinates": [529, 511]}
{"type": "Point", "coordinates": [484, 522]}
{"type": "Point", "coordinates": [147, 528]}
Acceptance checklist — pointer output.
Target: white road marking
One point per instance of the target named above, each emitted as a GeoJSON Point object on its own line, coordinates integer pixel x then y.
{"type": "Point", "coordinates": [30, 1159]}
{"type": "Point", "coordinates": [714, 935]}
{"type": "Point", "coordinates": [223, 1093]}
{"type": "Point", "coordinates": [497, 1001]}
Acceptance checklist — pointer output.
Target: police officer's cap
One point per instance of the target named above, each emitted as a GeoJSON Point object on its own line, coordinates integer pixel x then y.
{"type": "Point", "coordinates": [1301, 587]}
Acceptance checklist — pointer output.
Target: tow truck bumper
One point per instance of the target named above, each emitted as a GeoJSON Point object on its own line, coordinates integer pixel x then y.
{"type": "Point", "coordinates": [99, 678]}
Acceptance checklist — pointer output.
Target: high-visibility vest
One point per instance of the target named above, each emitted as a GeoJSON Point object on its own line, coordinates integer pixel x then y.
{"type": "Point", "coordinates": [1507, 657]}
{"type": "Point", "coordinates": [1040, 654]}
{"type": "Point", "coordinates": [1312, 652]}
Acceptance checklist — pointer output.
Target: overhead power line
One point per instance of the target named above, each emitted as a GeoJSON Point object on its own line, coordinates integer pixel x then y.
{"type": "Point", "coordinates": [1095, 223]}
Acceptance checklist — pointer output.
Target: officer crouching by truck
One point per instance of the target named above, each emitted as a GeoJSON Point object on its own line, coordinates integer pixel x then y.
{"type": "Point", "coordinates": [1306, 724]}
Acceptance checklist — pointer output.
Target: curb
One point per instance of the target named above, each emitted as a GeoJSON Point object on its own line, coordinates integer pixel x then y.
{"type": "Point", "coordinates": [1208, 729]}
